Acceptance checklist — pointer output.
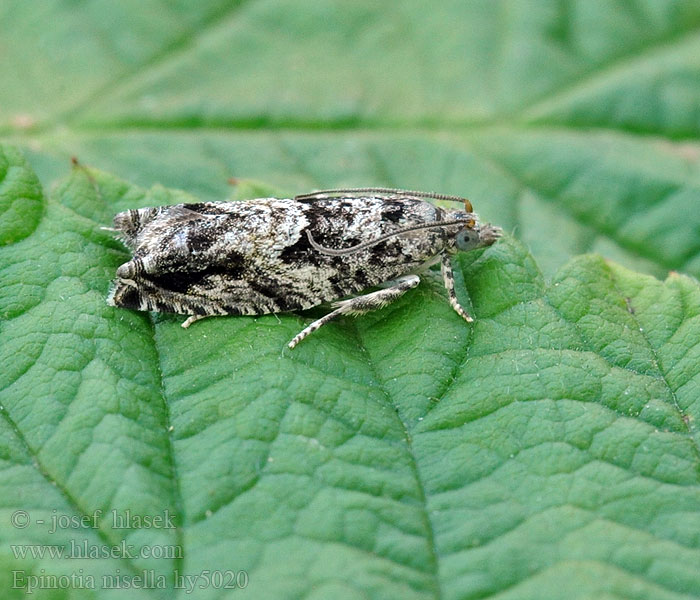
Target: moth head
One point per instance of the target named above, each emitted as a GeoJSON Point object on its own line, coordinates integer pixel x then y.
{"type": "Point", "coordinates": [130, 222]}
{"type": "Point", "coordinates": [476, 236]}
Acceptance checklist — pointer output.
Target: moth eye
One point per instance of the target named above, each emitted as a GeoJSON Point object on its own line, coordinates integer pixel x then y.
{"type": "Point", "coordinates": [467, 239]}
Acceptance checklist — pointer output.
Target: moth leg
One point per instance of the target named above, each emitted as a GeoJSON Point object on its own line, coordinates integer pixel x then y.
{"type": "Point", "coordinates": [191, 319]}
{"type": "Point", "coordinates": [361, 304]}
{"type": "Point", "coordinates": [449, 280]}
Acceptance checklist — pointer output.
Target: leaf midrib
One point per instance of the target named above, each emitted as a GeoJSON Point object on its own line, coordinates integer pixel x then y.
{"type": "Point", "coordinates": [422, 496]}
{"type": "Point", "coordinates": [177, 501]}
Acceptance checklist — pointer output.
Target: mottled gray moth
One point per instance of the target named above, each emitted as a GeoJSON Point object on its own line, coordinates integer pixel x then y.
{"type": "Point", "coordinates": [272, 255]}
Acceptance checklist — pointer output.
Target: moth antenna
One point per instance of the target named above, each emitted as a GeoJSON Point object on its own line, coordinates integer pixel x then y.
{"type": "Point", "coordinates": [379, 190]}
{"type": "Point", "coordinates": [382, 238]}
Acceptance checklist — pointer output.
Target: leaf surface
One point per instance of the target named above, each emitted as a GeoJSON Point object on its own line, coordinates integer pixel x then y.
{"type": "Point", "coordinates": [550, 448]}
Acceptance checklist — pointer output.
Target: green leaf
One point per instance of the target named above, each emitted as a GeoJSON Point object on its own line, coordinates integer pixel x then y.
{"type": "Point", "coordinates": [549, 450]}
{"type": "Point", "coordinates": [21, 199]}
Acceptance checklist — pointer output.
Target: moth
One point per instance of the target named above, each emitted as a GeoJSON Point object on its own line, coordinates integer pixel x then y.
{"type": "Point", "coordinates": [272, 255]}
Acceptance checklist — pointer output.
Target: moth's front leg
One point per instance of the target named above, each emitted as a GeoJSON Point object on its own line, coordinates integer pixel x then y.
{"type": "Point", "coordinates": [449, 281]}
{"type": "Point", "coordinates": [361, 304]}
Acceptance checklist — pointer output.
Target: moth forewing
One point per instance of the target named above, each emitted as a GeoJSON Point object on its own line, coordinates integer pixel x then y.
{"type": "Point", "coordinates": [271, 255]}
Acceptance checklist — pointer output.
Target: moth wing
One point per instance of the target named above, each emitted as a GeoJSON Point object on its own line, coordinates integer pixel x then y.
{"type": "Point", "coordinates": [231, 298]}
{"type": "Point", "coordinates": [187, 212]}
{"type": "Point", "coordinates": [130, 224]}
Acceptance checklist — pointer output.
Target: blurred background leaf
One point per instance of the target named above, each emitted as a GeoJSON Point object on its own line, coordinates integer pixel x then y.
{"type": "Point", "coordinates": [573, 123]}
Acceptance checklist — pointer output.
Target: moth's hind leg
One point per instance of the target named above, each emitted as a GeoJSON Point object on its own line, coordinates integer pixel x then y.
{"type": "Point", "coordinates": [361, 304]}
{"type": "Point", "coordinates": [192, 318]}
